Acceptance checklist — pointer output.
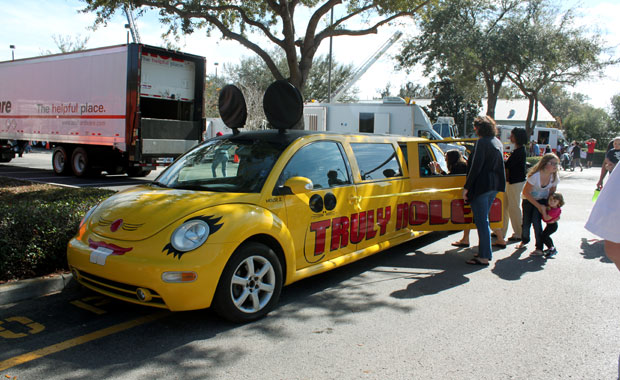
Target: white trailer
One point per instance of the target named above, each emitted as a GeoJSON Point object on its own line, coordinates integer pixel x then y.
{"type": "Point", "coordinates": [542, 136]}
{"type": "Point", "coordinates": [125, 108]}
{"type": "Point", "coordinates": [386, 117]}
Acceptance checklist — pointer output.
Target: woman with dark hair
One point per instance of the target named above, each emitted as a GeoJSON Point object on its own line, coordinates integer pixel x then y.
{"type": "Point", "coordinates": [454, 161]}
{"type": "Point", "coordinates": [515, 180]}
{"type": "Point", "coordinates": [485, 178]}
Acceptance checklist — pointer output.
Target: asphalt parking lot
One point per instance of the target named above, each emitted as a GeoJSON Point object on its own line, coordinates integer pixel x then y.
{"type": "Point", "coordinates": [37, 166]}
{"type": "Point", "coordinates": [414, 311]}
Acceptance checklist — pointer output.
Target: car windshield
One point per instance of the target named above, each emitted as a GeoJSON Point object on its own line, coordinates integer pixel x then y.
{"type": "Point", "coordinates": [238, 165]}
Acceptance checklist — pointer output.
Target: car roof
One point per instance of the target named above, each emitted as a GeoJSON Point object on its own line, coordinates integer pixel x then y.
{"type": "Point", "coordinates": [290, 135]}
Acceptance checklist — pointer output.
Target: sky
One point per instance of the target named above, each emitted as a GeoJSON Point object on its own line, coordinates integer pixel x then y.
{"type": "Point", "coordinates": [30, 24]}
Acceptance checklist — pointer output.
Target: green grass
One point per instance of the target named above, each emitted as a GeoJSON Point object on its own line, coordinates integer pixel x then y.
{"type": "Point", "coordinates": [36, 223]}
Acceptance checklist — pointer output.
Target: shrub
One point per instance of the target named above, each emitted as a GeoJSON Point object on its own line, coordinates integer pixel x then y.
{"type": "Point", "coordinates": [36, 223]}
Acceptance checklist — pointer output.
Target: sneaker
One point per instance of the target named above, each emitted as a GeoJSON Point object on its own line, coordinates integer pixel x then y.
{"type": "Point", "coordinates": [536, 252]}
{"type": "Point", "coordinates": [551, 252]}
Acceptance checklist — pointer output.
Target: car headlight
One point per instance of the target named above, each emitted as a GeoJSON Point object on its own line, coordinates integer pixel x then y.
{"type": "Point", "coordinates": [88, 214]}
{"type": "Point", "coordinates": [190, 235]}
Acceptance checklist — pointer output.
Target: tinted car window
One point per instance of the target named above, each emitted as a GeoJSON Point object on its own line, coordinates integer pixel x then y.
{"type": "Point", "coordinates": [322, 162]}
{"type": "Point", "coordinates": [223, 165]}
{"type": "Point", "coordinates": [425, 157]}
{"type": "Point", "coordinates": [376, 161]}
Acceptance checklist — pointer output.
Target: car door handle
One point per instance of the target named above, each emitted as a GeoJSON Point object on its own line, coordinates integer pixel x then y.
{"type": "Point", "coordinates": [355, 201]}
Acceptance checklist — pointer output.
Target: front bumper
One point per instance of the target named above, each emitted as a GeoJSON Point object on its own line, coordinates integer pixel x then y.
{"type": "Point", "coordinates": [121, 276]}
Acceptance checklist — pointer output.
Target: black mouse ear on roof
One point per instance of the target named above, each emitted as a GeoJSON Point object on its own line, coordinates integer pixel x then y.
{"type": "Point", "coordinates": [283, 105]}
{"type": "Point", "coordinates": [233, 110]}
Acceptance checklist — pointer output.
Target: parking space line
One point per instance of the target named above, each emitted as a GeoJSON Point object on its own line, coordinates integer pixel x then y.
{"type": "Point", "coordinates": [36, 354]}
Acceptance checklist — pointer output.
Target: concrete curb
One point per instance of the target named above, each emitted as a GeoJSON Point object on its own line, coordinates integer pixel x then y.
{"type": "Point", "coordinates": [33, 288]}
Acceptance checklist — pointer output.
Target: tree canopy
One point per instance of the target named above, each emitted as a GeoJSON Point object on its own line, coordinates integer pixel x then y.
{"type": "Point", "coordinates": [529, 42]}
{"type": "Point", "coordinates": [551, 51]}
{"type": "Point", "coordinates": [268, 24]}
{"type": "Point", "coordinates": [448, 101]}
{"type": "Point", "coordinates": [466, 40]}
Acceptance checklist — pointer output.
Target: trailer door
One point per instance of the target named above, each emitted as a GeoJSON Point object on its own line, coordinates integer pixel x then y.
{"type": "Point", "coordinates": [170, 102]}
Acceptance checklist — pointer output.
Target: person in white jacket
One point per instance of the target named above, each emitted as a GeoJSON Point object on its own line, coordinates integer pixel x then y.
{"type": "Point", "coordinates": [603, 220]}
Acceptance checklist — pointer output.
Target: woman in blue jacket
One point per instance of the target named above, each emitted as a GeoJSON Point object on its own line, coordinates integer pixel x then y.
{"type": "Point", "coordinates": [485, 178]}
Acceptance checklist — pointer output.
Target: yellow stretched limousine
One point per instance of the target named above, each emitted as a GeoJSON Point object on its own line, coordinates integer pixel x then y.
{"type": "Point", "coordinates": [236, 218]}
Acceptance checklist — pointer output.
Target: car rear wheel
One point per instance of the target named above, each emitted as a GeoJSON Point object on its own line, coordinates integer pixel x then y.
{"type": "Point", "coordinates": [250, 284]}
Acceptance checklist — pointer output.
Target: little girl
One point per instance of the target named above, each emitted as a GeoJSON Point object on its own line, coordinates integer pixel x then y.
{"type": "Point", "coordinates": [551, 217]}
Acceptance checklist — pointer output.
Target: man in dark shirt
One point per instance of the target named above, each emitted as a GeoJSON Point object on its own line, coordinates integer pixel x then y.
{"type": "Point", "coordinates": [611, 159]}
{"type": "Point", "coordinates": [515, 178]}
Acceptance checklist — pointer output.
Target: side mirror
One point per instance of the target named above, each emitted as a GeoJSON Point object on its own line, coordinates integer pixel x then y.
{"type": "Point", "coordinates": [299, 185]}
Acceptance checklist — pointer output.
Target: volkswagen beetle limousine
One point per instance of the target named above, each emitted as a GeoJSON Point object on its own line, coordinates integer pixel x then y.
{"type": "Point", "coordinates": [239, 216]}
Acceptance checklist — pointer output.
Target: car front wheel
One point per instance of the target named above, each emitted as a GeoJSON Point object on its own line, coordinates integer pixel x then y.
{"type": "Point", "coordinates": [250, 284]}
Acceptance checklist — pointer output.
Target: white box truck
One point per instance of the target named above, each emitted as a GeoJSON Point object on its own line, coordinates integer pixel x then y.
{"type": "Point", "coordinates": [126, 108]}
{"type": "Point", "coordinates": [392, 116]}
{"type": "Point", "coordinates": [389, 117]}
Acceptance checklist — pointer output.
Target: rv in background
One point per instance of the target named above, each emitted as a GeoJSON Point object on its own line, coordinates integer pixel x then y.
{"type": "Point", "coordinates": [392, 116]}
{"type": "Point", "coordinates": [543, 136]}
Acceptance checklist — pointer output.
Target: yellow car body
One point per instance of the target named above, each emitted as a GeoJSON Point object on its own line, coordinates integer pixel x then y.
{"type": "Point", "coordinates": [124, 248]}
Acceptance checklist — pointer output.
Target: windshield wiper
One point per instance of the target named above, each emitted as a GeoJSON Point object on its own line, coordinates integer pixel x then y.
{"type": "Point", "coordinates": [159, 184]}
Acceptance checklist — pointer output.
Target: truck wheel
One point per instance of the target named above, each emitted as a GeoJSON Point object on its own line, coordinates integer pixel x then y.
{"type": "Point", "coordinates": [250, 284]}
{"type": "Point", "coordinates": [80, 163]}
{"type": "Point", "coordinates": [60, 161]}
{"type": "Point", "coordinates": [137, 172]}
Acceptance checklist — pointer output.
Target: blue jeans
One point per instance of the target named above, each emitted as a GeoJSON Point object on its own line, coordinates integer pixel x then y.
{"type": "Point", "coordinates": [532, 218]}
{"type": "Point", "coordinates": [480, 206]}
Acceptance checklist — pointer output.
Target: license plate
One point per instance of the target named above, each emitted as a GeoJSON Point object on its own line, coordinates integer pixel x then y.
{"type": "Point", "coordinates": [100, 255]}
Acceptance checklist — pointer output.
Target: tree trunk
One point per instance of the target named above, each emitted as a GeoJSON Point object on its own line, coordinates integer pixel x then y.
{"type": "Point", "coordinates": [491, 103]}
{"type": "Point", "coordinates": [528, 121]}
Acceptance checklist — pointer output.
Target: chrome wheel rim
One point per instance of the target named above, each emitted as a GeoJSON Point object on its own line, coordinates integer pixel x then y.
{"type": "Point", "coordinates": [253, 284]}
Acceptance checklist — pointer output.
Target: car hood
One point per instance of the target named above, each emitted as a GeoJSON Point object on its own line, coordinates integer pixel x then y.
{"type": "Point", "coordinates": [143, 211]}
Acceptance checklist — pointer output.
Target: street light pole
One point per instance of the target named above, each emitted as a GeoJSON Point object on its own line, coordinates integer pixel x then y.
{"type": "Point", "coordinates": [329, 75]}
{"type": "Point", "coordinates": [12, 47]}
{"type": "Point", "coordinates": [127, 27]}
{"type": "Point", "coordinates": [215, 64]}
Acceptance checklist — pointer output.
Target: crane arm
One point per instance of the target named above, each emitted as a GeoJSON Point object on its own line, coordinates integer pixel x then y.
{"type": "Point", "coordinates": [132, 23]}
{"type": "Point", "coordinates": [361, 70]}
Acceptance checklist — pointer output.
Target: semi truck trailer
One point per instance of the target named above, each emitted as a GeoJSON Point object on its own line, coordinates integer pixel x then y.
{"type": "Point", "coordinates": [118, 109]}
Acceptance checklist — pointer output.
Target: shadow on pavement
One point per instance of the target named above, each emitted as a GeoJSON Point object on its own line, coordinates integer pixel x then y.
{"type": "Point", "coordinates": [513, 267]}
{"type": "Point", "coordinates": [592, 249]}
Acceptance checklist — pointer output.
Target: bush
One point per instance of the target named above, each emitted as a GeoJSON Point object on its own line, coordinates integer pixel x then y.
{"type": "Point", "coordinates": [36, 223]}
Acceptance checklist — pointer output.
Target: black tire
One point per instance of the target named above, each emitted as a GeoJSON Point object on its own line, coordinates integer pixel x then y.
{"type": "Point", "coordinates": [137, 172]}
{"type": "Point", "coordinates": [61, 162]}
{"type": "Point", "coordinates": [81, 164]}
{"type": "Point", "coordinates": [250, 284]}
